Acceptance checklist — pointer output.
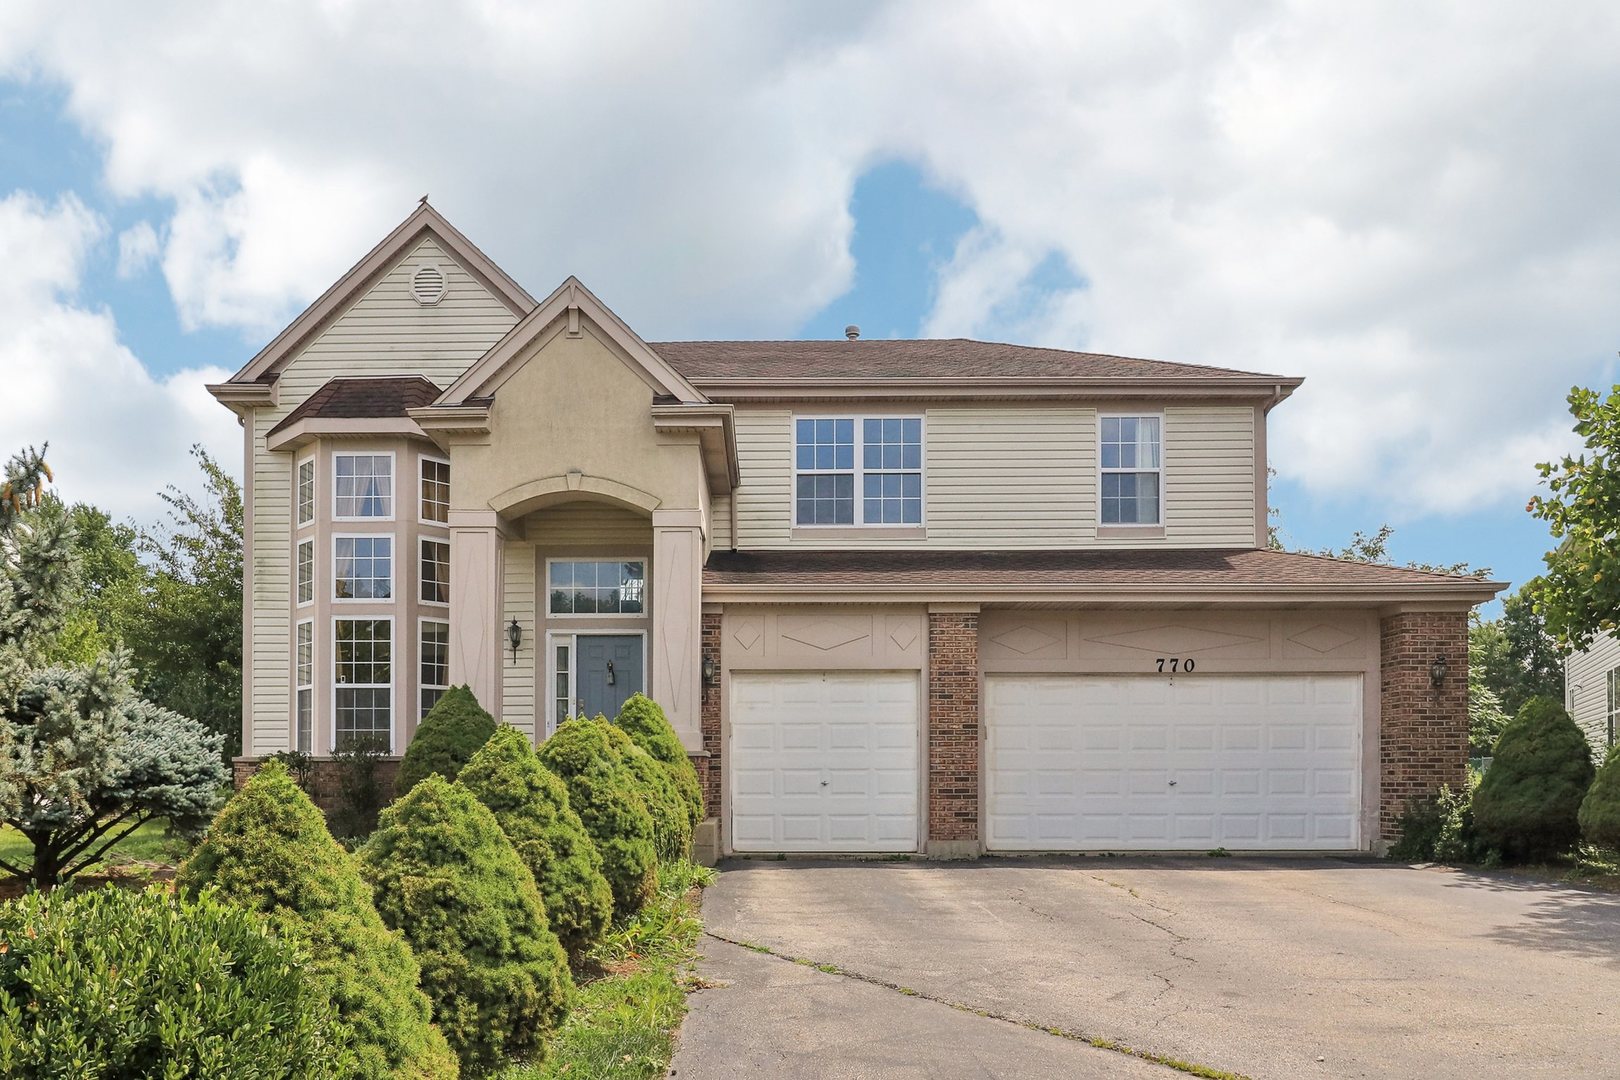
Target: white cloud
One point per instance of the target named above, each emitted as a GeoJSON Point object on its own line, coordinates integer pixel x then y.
{"type": "Point", "coordinates": [1410, 206]}
{"type": "Point", "coordinates": [138, 248]}
{"type": "Point", "coordinates": [117, 435]}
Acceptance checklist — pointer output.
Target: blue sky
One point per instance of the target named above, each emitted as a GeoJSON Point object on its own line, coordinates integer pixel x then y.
{"type": "Point", "coordinates": [1399, 211]}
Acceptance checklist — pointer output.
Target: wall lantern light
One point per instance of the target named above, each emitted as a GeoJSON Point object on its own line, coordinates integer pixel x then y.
{"type": "Point", "coordinates": [514, 637]}
{"type": "Point", "coordinates": [1437, 672]}
{"type": "Point", "coordinates": [709, 673]}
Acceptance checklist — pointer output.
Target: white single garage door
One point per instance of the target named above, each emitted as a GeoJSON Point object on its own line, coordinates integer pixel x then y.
{"type": "Point", "coordinates": [1092, 763]}
{"type": "Point", "coordinates": [824, 761]}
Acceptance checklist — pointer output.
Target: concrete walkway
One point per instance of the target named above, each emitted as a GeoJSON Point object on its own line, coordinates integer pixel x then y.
{"type": "Point", "coordinates": [1269, 968]}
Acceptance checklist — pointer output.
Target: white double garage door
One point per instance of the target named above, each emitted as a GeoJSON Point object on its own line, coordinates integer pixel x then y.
{"type": "Point", "coordinates": [831, 761]}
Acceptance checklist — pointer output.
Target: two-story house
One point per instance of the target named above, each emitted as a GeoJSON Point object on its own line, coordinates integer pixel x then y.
{"type": "Point", "coordinates": [937, 596]}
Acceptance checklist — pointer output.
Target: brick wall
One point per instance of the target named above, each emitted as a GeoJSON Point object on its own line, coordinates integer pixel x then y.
{"type": "Point", "coordinates": [708, 769]}
{"type": "Point", "coordinates": [324, 777]}
{"type": "Point", "coordinates": [953, 726]}
{"type": "Point", "coordinates": [1423, 732]}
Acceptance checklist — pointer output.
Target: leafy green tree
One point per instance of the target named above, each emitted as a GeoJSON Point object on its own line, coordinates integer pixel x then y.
{"type": "Point", "coordinates": [532, 806]}
{"type": "Point", "coordinates": [1486, 717]}
{"type": "Point", "coordinates": [644, 721]}
{"type": "Point", "coordinates": [447, 738]}
{"type": "Point", "coordinates": [84, 760]}
{"type": "Point", "coordinates": [1526, 807]}
{"type": "Point", "coordinates": [1516, 657]}
{"type": "Point", "coordinates": [1374, 548]}
{"type": "Point", "coordinates": [607, 797]}
{"type": "Point", "coordinates": [113, 983]}
{"type": "Point", "coordinates": [269, 852]}
{"type": "Point", "coordinates": [1579, 595]}
{"type": "Point", "coordinates": [1600, 810]}
{"type": "Point", "coordinates": [445, 875]}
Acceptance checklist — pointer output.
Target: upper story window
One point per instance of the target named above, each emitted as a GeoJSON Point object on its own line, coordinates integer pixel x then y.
{"type": "Point", "coordinates": [306, 571]}
{"type": "Point", "coordinates": [363, 567]}
{"type": "Point", "coordinates": [1131, 470]}
{"type": "Point", "coordinates": [306, 491]}
{"type": "Point", "coordinates": [435, 490]}
{"type": "Point", "coordinates": [435, 572]}
{"type": "Point", "coordinates": [363, 486]}
{"type": "Point", "coordinates": [858, 470]}
{"type": "Point", "coordinates": [597, 588]}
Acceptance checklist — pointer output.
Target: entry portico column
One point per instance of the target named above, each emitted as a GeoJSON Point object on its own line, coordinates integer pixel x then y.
{"type": "Point", "coordinates": [677, 573]}
{"type": "Point", "coordinates": [477, 636]}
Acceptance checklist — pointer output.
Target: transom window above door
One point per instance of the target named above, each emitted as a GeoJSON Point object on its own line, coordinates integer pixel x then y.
{"type": "Point", "coordinates": [1131, 470]}
{"type": "Point", "coordinates": [597, 587]}
{"type": "Point", "coordinates": [851, 470]}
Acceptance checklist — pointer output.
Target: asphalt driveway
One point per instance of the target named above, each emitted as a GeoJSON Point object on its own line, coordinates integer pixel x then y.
{"type": "Point", "coordinates": [1268, 968]}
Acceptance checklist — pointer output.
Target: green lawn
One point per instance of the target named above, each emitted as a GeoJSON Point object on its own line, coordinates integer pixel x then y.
{"type": "Point", "coordinates": [148, 844]}
{"type": "Point", "coordinates": [624, 1019]}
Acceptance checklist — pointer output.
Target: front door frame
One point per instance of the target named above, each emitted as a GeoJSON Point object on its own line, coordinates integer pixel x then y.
{"type": "Point", "coordinates": [570, 638]}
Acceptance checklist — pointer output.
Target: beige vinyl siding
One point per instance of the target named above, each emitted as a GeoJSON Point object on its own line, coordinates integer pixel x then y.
{"type": "Point", "coordinates": [517, 691]}
{"type": "Point", "coordinates": [384, 332]}
{"type": "Point", "coordinates": [1017, 476]}
{"type": "Point", "coordinates": [720, 522]}
{"type": "Point", "coordinates": [1586, 688]}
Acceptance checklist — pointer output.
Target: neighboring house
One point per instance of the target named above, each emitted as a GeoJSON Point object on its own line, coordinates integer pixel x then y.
{"type": "Point", "coordinates": [1592, 691]}
{"type": "Point", "coordinates": [938, 596]}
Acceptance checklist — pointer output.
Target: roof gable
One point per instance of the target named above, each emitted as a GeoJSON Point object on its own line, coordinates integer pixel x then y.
{"type": "Point", "coordinates": [423, 221]}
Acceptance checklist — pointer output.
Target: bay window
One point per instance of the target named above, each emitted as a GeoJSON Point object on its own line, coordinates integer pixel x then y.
{"type": "Point", "coordinates": [363, 673]}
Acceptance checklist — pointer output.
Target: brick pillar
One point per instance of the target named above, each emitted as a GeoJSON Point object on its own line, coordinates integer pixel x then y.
{"type": "Point", "coordinates": [953, 734]}
{"type": "Point", "coordinates": [709, 770]}
{"type": "Point", "coordinates": [1423, 731]}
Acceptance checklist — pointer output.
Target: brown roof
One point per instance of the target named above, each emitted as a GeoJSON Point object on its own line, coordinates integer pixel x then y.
{"type": "Point", "coordinates": [941, 358]}
{"type": "Point", "coordinates": [353, 399]}
{"type": "Point", "coordinates": [1238, 568]}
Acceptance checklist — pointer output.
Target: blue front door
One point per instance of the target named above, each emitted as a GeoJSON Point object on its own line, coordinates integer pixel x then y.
{"type": "Point", "coordinates": [608, 672]}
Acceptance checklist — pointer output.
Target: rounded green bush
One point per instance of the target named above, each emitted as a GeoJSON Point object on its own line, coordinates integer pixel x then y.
{"type": "Point", "coordinates": [117, 983]}
{"type": "Point", "coordinates": [444, 875]}
{"type": "Point", "coordinates": [607, 797]}
{"type": "Point", "coordinates": [1527, 806]}
{"type": "Point", "coordinates": [672, 829]}
{"type": "Point", "coordinates": [1600, 811]}
{"type": "Point", "coordinates": [446, 739]}
{"type": "Point", "coordinates": [532, 806]}
{"type": "Point", "coordinates": [269, 851]}
{"type": "Point", "coordinates": [644, 721]}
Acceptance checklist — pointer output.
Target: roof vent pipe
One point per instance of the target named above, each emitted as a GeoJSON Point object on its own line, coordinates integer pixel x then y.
{"type": "Point", "coordinates": [852, 331]}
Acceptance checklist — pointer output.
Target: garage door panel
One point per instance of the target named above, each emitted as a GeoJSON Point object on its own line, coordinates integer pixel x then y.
{"type": "Point", "coordinates": [1257, 761]}
{"type": "Point", "coordinates": [824, 761]}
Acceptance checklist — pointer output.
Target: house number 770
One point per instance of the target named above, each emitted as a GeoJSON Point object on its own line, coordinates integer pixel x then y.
{"type": "Point", "coordinates": [1173, 664]}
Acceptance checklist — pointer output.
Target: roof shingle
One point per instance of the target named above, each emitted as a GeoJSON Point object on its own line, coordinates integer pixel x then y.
{"type": "Point", "coordinates": [355, 399]}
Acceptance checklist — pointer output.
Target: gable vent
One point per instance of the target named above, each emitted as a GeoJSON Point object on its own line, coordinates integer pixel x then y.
{"type": "Point", "coordinates": [427, 286]}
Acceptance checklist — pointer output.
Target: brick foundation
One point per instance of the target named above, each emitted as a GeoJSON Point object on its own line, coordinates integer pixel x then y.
{"type": "Point", "coordinates": [709, 769]}
{"type": "Point", "coordinates": [324, 777]}
{"type": "Point", "coordinates": [1423, 732]}
{"type": "Point", "coordinates": [953, 728]}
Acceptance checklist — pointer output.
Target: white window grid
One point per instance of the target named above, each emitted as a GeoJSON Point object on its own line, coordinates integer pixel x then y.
{"type": "Point", "coordinates": [434, 587]}
{"type": "Point", "coordinates": [882, 457]}
{"type": "Point", "coordinates": [304, 688]}
{"type": "Point", "coordinates": [1125, 510]}
{"type": "Point", "coordinates": [363, 568]}
{"type": "Point", "coordinates": [434, 663]}
{"type": "Point", "coordinates": [363, 486]}
{"type": "Point", "coordinates": [304, 491]}
{"type": "Point", "coordinates": [434, 493]}
{"type": "Point", "coordinates": [362, 680]}
{"type": "Point", "coordinates": [306, 572]}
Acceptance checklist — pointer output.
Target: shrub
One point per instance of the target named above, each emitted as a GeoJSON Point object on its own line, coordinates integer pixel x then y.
{"type": "Point", "coordinates": [360, 793]}
{"type": "Point", "coordinates": [532, 806]}
{"type": "Point", "coordinates": [1527, 806]}
{"type": "Point", "coordinates": [1441, 829]}
{"type": "Point", "coordinates": [269, 851]}
{"type": "Point", "coordinates": [444, 875]}
{"type": "Point", "coordinates": [446, 739]}
{"type": "Point", "coordinates": [300, 766]}
{"type": "Point", "coordinates": [644, 721]}
{"type": "Point", "coordinates": [1600, 811]}
{"type": "Point", "coordinates": [118, 983]}
{"type": "Point", "coordinates": [672, 829]}
{"type": "Point", "coordinates": [606, 795]}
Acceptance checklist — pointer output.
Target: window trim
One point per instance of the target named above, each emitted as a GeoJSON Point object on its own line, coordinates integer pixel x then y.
{"type": "Point", "coordinates": [393, 683]}
{"type": "Point", "coordinates": [646, 587]}
{"type": "Point", "coordinates": [420, 518]}
{"type": "Point", "coordinates": [299, 687]}
{"type": "Point", "coordinates": [298, 581]}
{"type": "Point", "coordinates": [858, 472]}
{"type": "Point", "coordinates": [1612, 713]}
{"type": "Point", "coordinates": [1131, 529]}
{"type": "Point", "coordinates": [314, 490]}
{"type": "Point", "coordinates": [393, 473]}
{"type": "Point", "coordinates": [571, 639]}
{"type": "Point", "coordinates": [421, 578]}
{"type": "Point", "coordinates": [393, 568]}
{"type": "Point", "coordinates": [421, 683]}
